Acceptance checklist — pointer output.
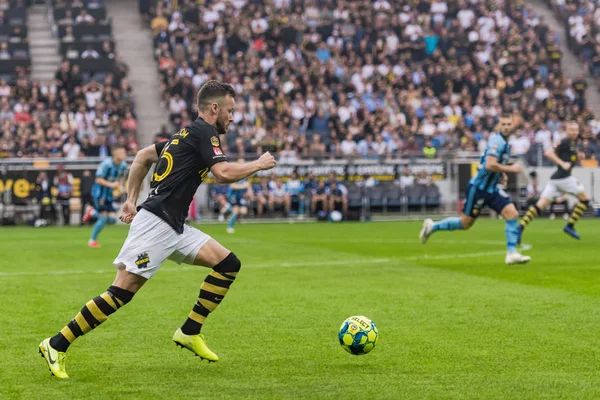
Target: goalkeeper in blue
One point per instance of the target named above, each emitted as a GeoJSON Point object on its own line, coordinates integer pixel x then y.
{"type": "Point", "coordinates": [483, 190]}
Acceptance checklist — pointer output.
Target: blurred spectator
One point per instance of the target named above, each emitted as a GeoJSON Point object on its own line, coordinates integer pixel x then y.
{"type": "Point", "coordinates": [63, 182]}
{"type": "Point", "coordinates": [406, 179]}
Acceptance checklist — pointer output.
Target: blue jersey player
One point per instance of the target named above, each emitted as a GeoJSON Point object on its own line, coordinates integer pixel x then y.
{"type": "Point", "coordinates": [483, 191]}
{"type": "Point", "coordinates": [109, 176]}
{"type": "Point", "coordinates": [237, 199]}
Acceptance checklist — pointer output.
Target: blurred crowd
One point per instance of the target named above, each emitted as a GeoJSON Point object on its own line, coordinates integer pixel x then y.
{"type": "Point", "coordinates": [77, 114]}
{"type": "Point", "coordinates": [370, 79]}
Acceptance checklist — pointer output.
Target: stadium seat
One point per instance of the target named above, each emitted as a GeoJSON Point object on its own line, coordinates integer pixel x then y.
{"type": "Point", "coordinates": [394, 197]}
{"type": "Point", "coordinates": [376, 198]}
{"type": "Point", "coordinates": [432, 196]}
{"type": "Point", "coordinates": [414, 196]}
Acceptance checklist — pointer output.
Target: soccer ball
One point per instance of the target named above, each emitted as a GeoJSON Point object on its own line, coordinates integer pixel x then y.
{"type": "Point", "coordinates": [358, 335]}
{"type": "Point", "coordinates": [335, 216]}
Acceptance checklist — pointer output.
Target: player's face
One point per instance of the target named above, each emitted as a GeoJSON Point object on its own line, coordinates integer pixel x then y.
{"type": "Point", "coordinates": [506, 126]}
{"type": "Point", "coordinates": [119, 156]}
{"type": "Point", "coordinates": [572, 131]}
{"type": "Point", "coordinates": [225, 117]}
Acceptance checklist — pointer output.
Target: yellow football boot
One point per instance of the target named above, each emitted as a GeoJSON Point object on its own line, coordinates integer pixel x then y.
{"type": "Point", "coordinates": [54, 358]}
{"type": "Point", "coordinates": [195, 344]}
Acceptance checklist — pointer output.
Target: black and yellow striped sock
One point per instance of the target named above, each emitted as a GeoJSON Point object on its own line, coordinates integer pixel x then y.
{"type": "Point", "coordinates": [578, 211]}
{"type": "Point", "coordinates": [213, 290]}
{"type": "Point", "coordinates": [94, 313]}
{"type": "Point", "coordinates": [533, 212]}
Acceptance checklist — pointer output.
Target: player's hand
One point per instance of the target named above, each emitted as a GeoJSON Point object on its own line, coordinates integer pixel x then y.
{"type": "Point", "coordinates": [566, 165]}
{"type": "Point", "coordinates": [128, 212]}
{"type": "Point", "coordinates": [266, 161]}
{"type": "Point", "coordinates": [504, 179]}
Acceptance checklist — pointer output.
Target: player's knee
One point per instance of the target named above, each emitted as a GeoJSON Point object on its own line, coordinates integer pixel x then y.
{"type": "Point", "coordinates": [122, 294]}
{"type": "Point", "coordinates": [510, 213]}
{"type": "Point", "coordinates": [229, 264]}
{"type": "Point", "coordinates": [466, 222]}
{"type": "Point", "coordinates": [111, 220]}
{"type": "Point", "coordinates": [103, 218]}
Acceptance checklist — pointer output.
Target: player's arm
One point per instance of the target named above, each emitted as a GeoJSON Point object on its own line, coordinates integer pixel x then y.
{"type": "Point", "coordinates": [226, 172]}
{"type": "Point", "coordinates": [237, 186]}
{"type": "Point", "coordinates": [550, 154]}
{"type": "Point", "coordinates": [101, 180]}
{"type": "Point", "coordinates": [492, 165]}
{"type": "Point", "coordinates": [139, 169]}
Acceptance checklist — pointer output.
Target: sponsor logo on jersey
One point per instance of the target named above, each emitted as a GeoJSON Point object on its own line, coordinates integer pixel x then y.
{"type": "Point", "coordinates": [214, 141]}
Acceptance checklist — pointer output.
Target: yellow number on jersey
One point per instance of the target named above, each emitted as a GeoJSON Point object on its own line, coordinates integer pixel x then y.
{"type": "Point", "coordinates": [165, 155]}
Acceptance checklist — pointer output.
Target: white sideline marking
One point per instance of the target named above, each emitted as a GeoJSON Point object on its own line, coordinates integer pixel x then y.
{"type": "Point", "coordinates": [353, 261]}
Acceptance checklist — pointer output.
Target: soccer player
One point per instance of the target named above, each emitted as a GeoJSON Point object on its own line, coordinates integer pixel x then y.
{"type": "Point", "coordinates": [109, 176]}
{"type": "Point", "coordinates": [158, 231]}
{"type": "Point", "coordinates": [561, 182]}
{"type": "Point", "coordinates": [237, 200]}
{"type": "Point", "coordinates": [295, 191]}
{"type": "Point", "coordinates": [279, 196]}
{"type": "Point", "coordinates": [483, 190]}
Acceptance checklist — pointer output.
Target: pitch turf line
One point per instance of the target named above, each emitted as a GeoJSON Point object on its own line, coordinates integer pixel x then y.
{"type": "Point", "coordinates": [352, 261]}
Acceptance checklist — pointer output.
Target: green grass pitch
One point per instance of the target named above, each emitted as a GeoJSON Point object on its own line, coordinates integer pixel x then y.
{"type": "Point", "coordinates": [454, 321]}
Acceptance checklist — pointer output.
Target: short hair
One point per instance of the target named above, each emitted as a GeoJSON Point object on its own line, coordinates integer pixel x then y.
{"type": "Point", "coordinates": [211, 91]}
{"type": "Point", "coordinates": [117, 147]}
{"type": "Point", "coordinates": [506, 115]}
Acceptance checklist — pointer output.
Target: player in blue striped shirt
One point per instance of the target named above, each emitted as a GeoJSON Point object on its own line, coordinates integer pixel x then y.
{"type": "Point", "coordinates": [483, 190]}
{"type": "Point", "coordinates": [110, 175]}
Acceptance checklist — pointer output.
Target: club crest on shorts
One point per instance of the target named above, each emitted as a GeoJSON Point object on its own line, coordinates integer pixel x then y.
{"type": "Point", "coordinates": [214, 141]}
{"type": "Point", "coordinates": [142, 260]}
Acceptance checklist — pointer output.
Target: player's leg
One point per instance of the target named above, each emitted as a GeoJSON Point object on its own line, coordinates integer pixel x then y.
{"type": "Point", "coordinates": [101, 221]}
{"type": "Point", "coordinates": [503, 205]}
{"type": "Point", "coordinates": [271, 203]}
{"type": "Point", "coordinates": [467, 218]}
{"type": "Point", "coordinates": [232, 218]}
{"type": "Point", "coordinates": [261, 201]}
{"type": "Point", "coordinates": [287, 203]}
{"type": "Point", "coordinates": [573, 186]}
{"type": "Point", "coordinates": [301, 204]}
{"type": "Point", "coordinates": [136, 263]}
{"type": "Point", "coordinates": [549, 193]}
{"type": "Point", "coordinates": [225, 266]}
{"type": "Point", "coordinates": [94, 313]}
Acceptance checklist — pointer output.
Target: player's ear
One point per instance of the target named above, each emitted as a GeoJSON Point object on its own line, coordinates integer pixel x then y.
{"type": "Point", "coordinates": [214, 107]}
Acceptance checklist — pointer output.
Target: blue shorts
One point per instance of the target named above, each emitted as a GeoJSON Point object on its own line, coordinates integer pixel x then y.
{"type": "Point", "coordinates": [103, 205]}
{"type": "Point", "coordinates": [237, 199]}
{"type": "Point", "coordinates": [476, 199]}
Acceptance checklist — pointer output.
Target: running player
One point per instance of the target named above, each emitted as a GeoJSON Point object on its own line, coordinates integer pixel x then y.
{"type": "Point", "coordinates": [561, 182]}
{"type": "Point", "coordinates": [109, 176]}
{"type": "Point", "coordinates": [483, 190]}
{"type": "Point", "coordinates": [237, 200]}
{"type": "Point", "coordinates": [158, 231]}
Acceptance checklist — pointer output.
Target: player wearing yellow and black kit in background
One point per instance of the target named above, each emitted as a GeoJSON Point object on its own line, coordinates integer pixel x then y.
{"type": "Point", "coordinates": [561, 182]}
{"type": "Point", "coordinates": [158, 229]}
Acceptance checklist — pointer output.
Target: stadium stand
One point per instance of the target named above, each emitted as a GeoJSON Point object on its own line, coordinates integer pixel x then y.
{"type": "Point", "coordinates": [307, 76]}
{"type": "Point", "coordinates": [14, 48]}
{"type": "Point", "coordinates": [86, 109]}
